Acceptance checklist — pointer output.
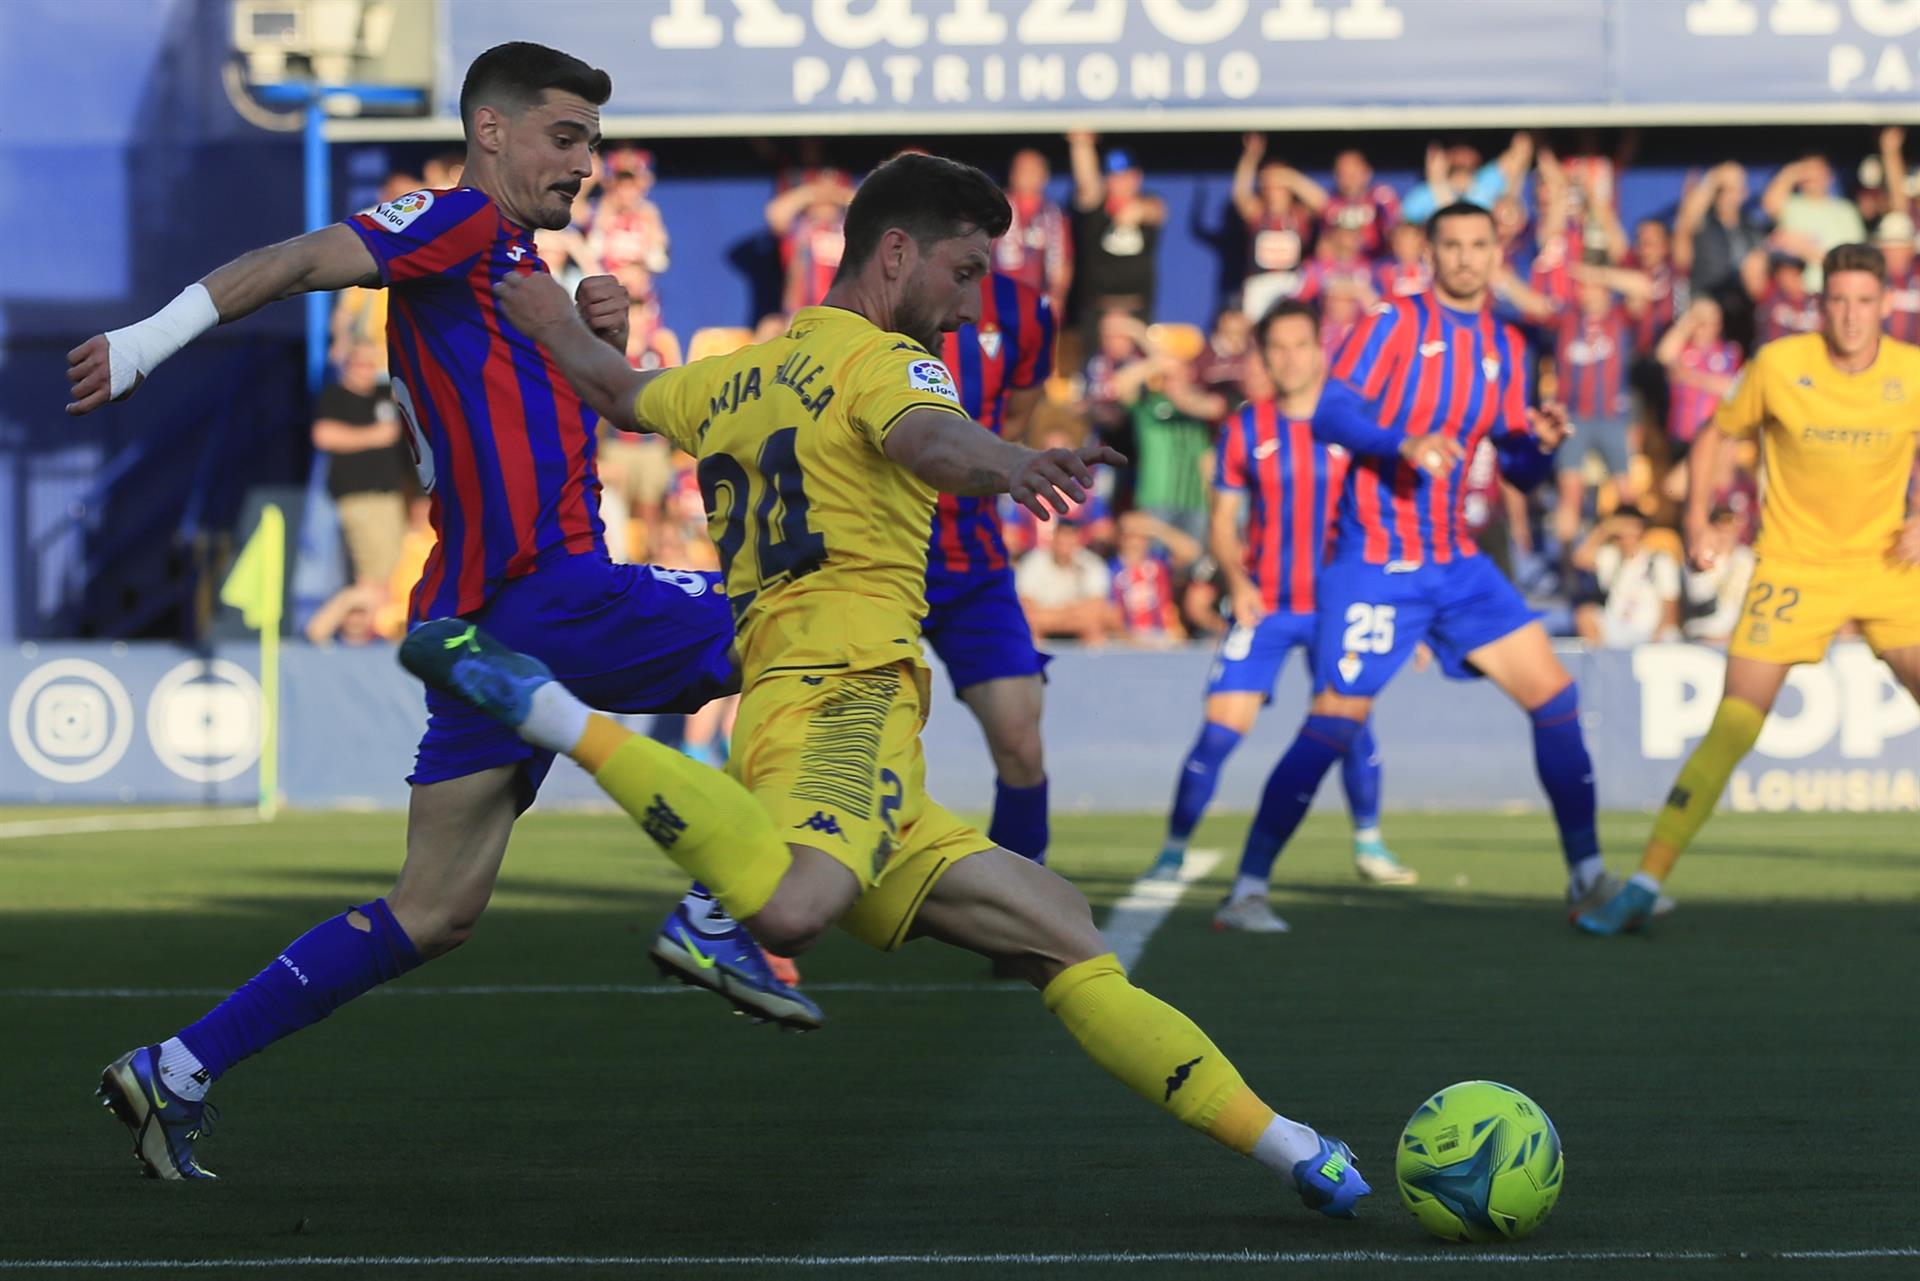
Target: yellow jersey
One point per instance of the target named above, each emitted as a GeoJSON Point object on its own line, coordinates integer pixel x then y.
{"type": "Point", "coordinates": [1837, 448]}
{"type": "Point", "coordinates": [822, 539]}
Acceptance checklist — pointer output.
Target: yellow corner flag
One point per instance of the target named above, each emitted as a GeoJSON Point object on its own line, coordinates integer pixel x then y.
{"type": "Point", "coordinates": [256, 586]}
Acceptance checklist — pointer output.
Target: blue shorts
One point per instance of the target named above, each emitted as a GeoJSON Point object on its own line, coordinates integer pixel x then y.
{"type": "Point", "coordinates": [623, 638]}
{"type": "Point", "coordinates": [977, 628]}
{"type": "Point", "coordinates": [1370, 620]}
{"type": "Point", "coordinates": [1250, 658]}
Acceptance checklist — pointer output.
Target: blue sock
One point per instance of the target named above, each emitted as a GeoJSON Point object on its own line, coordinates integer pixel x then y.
{"type": "Point", "coordinates": [1566, 772]}
{"type": "Point", "coordinates": [1290, 788]}
{"type": "Point", "coordinates": [321, 970]}
{"type": "Point", "coordinates": [1360, 774]}
{"type": "Point", "coordinates": [1020, 819]}
{"type": "Point", "coordinates": [1199, 776]}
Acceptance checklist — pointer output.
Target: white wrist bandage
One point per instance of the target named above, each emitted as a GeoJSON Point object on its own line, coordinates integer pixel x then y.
{"type": "Point", "coordinates": [136, 350]}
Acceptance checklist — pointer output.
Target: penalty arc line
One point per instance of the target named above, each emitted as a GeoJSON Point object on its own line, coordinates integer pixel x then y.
{"type": "Point", "coordinates": [1008, 1260]}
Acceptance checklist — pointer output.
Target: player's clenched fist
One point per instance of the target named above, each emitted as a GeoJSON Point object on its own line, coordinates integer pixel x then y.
{"type": "Point", "coordinates": [602, 303]}
{"type": "Point", "coordinates": [535, 303]}
{"type": "Point", "coordinates": [1060, 477]}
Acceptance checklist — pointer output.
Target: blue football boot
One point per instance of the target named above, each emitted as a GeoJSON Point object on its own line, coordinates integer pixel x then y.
{"type": "Point", "coordinates": [456, 657]}
{"type": "Point", "coordinates": [1329, 1181]}
{"type": "Point", "coordinates": [1627, 912]}
{"type": "Point", "coordinates": [720, 956]}
{"type": "Point", "coordinates": [164, 1125]}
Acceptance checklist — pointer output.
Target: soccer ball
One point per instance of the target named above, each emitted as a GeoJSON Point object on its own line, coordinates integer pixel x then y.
{"type": "Point", "coordinates": [1479, 1162]}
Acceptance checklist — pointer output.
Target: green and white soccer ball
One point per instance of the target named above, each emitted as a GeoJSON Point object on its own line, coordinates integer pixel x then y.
{"type": "Point", "coordinates": [1479, 1162]}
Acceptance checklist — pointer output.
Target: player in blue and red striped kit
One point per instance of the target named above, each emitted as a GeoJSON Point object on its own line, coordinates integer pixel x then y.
{"type": "Point", "coordinates": [1267, 457]}
{"type": "Point", "coordinates": [1419, 384]}
{"type": "Point", "coordinates": [974, 621]}
{"type": "Point", "coordinates": [506, 449]}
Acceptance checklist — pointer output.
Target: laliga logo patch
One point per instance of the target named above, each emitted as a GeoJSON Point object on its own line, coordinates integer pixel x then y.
{"type": "Point", "coordinates": [398, 215]}
{"type": "Point", "coordinates": [932, 376]}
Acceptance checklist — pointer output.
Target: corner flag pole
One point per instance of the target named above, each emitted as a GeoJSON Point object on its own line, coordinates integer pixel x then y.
{"type": "Point", "coordinates": [256, 586]}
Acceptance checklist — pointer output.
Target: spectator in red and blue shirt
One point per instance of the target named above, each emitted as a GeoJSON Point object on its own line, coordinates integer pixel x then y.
{"type": "Point", "coordinates": [1269, 465]}
{"type": "Point", "coordinates": [974, 620]}
{"type": "Point", "coordinates": [506, 449]}
{"type": "Point", "coordinates": [1593, 344]}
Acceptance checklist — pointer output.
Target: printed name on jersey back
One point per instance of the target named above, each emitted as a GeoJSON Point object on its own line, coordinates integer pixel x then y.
{"type": "Point", "coordinates": [399, 214]}
{"type": "Point", "coordinates": [931, 375]}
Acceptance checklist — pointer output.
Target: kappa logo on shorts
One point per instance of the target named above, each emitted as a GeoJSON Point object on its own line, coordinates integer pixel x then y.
{"type": "Point", "coordinates": [823, 822]}
{"type": "Point", "coordinates": [398, 215]}
{"type": "Point", "coordinates": [932, 376]}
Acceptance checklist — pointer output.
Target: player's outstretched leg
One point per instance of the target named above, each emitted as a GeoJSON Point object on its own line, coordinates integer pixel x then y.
{"type": "Point", "coordinates": [1322, 740]}
{"type": "Point", "coordinates": [159, 1091]}
{"type": "Point", "coordinates": [1360, 775]}
{"type": "Point", "coordinates": [1199, 777]}
{"type": "Point", "coordinates": [1735, 729]}
{"type": "Point", "coordinates": [705, 822]}
{"type": "Point", "coordinates": [1000, 906]}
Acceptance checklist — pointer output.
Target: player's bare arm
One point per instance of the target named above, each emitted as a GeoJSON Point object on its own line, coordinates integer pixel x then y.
{"type": "Point", "coordinates": [109, 366]}
{"type": "Point", "coordinates": [1223, 543]}
{"type": "Point", "coordinates": [537, 305]}
{"type": "Point", "coordinates": [956, 455]}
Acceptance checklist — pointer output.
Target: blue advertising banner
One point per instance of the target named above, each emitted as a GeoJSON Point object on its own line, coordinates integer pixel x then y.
{"type": "Point", "coordinates": [783, 66]}
{"type": "Point", "coordinates": [150, 724]}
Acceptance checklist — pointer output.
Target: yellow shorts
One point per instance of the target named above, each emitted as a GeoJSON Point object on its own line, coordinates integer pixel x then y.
{"type": "Point", "coordinates": [1793, 609]}
{"type": "Point", "coordinates": [835, 759]}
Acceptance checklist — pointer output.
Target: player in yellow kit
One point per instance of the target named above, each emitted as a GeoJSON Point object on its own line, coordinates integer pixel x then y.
{"type": "Point", "coordinates": [1838, 417]}
{"type": "Point", "coordinates": [820, 452]}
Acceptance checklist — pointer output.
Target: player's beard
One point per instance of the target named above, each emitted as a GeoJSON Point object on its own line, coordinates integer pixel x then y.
{"type": "Point", "coordinates": [918, 324]}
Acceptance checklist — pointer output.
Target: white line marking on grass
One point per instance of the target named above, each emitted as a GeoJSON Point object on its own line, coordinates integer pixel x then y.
{"type": "Point", "coordinates": [1415, 1258]}
{"type": "Point", "coordinates": [126, 823]}
{"type": "Point", "coordinates": [1134, 918]}
{"type": "Point", "coordinates": [500, 989]}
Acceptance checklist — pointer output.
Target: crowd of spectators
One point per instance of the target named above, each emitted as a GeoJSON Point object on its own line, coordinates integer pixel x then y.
{"type": "Point", "coordinates": [1639, 331]}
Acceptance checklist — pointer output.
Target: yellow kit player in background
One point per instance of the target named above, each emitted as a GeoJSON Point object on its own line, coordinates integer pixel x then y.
{"type": "Point", "coordinates": [820, 452]}
{"type": "Point", "coordinates": [1838, 417]}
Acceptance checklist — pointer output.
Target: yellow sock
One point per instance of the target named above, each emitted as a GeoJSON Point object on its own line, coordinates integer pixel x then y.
{"type": "Point", "coordinates": [1157, 1052]}
{"type": "Point", "coordinates": [1735, 729]}
{"type": "Point", "coordinates": [707, 823]}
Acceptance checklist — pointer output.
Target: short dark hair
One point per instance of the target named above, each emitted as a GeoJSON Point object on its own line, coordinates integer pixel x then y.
{"type": "Point", "coordinates": [1855, 258]}
{"type": "Point", "coordinates": [1458, 209]}
{"type": "Point", "coordinates": [512, 76]}
{"type": "Point", "coordinates": [930, 198]}
{"type": "Point", "coordinates": [1309, 311]}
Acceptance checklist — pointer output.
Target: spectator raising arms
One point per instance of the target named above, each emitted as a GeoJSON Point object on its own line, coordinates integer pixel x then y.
{"type": "Point", "coordinates": [1713, 234]}
{"type": "Point", "coordinates": [1639, 584]}
{"type": "Point", "coordinates": [1279, 206]}
{"type": "Point", "coordinates": [1037, 250]}
{"type": "Point", "coordinates": [1116, 232]}
{"type": "Point", "coordinates": [1701, 365]}
{"type": "Point", "coordinates": [1783, 303]}
{"type": "Point", "coordinates": [628, 228]}
{"type": "Point", "coordinates": [1359, 204]}
{"type": "Point", "coordinates": [810, 219]}
{"type": "Point", "coordinates": [1808, 217]}
{"type": "Point", "coordinates": [1894, 239]}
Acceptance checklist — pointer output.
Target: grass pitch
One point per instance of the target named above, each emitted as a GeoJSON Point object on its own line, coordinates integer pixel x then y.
{"type": "Point", "coordinates": [1740, 1082]}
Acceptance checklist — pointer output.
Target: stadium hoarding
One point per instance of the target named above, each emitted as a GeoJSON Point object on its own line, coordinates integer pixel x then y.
{"type": "Point", "coordinates": [750, 67]}
{"type": "Point", "coordinates": [152, 724]}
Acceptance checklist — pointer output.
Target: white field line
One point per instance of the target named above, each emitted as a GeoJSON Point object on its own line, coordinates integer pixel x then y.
{"type": "Point", "coordinates": [1135, 917]}
{"type": "Point", "coordinates": [1437, 1257]}
{"type": "Point", "coordinates": [498, 989]}
{"type": "Point", "coordinates": [126, 823]}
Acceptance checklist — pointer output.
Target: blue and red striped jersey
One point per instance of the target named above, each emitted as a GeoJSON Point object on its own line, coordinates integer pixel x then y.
{"type": "Point", "coordinates": [1009, 349]}
{"type": "Point", "coordinates": [501, 441]}
{"type": "Point", "coordinates": [1591, 353]}
{"type": "Point", "coordinates": [1291, 482]}
{"type": "Point", "coordinates": [1419, 367]}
